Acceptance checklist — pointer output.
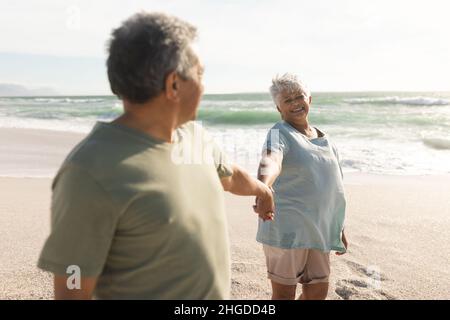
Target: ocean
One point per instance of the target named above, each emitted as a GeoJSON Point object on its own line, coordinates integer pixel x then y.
{"type": "Point", "coordinates": [378, 133]}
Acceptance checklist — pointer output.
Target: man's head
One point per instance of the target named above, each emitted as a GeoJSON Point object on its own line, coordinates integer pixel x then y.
{"type": "Point", "coordinates": [291, 97]}
{"type": "Point", "coordinates": [151, 55]}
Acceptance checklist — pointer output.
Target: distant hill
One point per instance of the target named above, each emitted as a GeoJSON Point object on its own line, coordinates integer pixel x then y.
{"type": "Point", "coordinates": [16, 90]}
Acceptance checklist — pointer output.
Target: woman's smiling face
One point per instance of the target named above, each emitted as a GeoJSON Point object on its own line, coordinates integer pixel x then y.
{"type": "Point", "coordinates": [294, 106]}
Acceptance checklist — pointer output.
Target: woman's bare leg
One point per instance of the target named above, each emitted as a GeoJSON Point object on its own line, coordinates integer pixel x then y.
{"type": "Point", "coordinates": [283, 292]}
{"type": "Point", "coordinates": [316, 291]}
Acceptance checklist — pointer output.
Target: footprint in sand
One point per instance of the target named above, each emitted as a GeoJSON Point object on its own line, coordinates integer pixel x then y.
{"type": "Point", "coordinates": [344, 292]}
{"type": "Point", "coordinates": [358, 289]}
{"type": "Point", "coordinates": [356, 283]}
{"type": "Point", "coordinates": [371, 271]}
{"type": "Point", "coordinates": [364, 284]}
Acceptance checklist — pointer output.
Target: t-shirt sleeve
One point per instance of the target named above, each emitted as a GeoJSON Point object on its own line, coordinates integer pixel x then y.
{"type": "Point", "coordinates": [275, 142]}
{"type": "Point", "coordinates": [83, 222]}
{"type": "Point", "coordinates": [223, 165]}
{"type": "Point", "coordinates": [221, 162]}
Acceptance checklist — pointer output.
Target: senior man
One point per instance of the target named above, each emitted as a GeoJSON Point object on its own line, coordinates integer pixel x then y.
{"type": "Point", "coordinates": [137, 206]}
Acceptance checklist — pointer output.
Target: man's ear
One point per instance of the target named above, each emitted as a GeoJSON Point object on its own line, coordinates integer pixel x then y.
{"type": "Point", "coordinates": [171, 86]}
{"type": "Point", "coordinates": [310, 99]}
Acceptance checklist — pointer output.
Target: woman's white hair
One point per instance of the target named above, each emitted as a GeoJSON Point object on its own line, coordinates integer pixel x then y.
{"type": "Point", "coordinates": [289, 83]}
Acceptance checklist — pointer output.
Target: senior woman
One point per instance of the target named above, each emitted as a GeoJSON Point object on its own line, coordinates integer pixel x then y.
{"type": "Point", "coordinates": [301, 165]}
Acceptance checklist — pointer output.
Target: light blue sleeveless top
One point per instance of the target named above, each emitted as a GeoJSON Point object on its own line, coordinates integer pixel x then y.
{"type": "Point", "coordinates": [309, 193]}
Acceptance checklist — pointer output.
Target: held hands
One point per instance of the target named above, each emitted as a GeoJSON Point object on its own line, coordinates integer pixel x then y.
{"type": "Point", "coordinates": [264, 205]}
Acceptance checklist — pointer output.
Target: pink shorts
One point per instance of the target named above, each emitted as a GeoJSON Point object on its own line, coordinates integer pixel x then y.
{"type": "Point", "coordinates": [292, 266]}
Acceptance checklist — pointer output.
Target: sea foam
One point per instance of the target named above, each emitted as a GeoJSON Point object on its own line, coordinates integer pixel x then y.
{"type": "Point", "coordinates": [412, 101]}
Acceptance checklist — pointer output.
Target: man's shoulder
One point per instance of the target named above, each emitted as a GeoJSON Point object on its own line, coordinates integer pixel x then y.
{"type": "Point", "coordinates": [86, 150]}
{"type": "Point", "coordinates": [96, 152]}
{"type": "Point", "coordinates": [79, 160]}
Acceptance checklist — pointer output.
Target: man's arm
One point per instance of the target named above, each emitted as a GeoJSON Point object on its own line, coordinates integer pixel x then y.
{"type": "Point", "coordinates": [241, 183]}
{"type": "Point", "coordinates": [62, 292]}
{"type": "Point", "coordinates": [83, 223]}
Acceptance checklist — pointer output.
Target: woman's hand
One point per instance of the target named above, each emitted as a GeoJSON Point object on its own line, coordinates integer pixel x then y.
{"type": "Point", "coordinates": [344, 241]}
{"type": "Point", "coordinates": [264, 205]}
{"type": "Point", "coordinates": [262, 213]}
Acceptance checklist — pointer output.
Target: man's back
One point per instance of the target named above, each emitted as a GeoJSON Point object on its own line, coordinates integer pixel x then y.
{"type": "Point", "coordinates": [124, 211]}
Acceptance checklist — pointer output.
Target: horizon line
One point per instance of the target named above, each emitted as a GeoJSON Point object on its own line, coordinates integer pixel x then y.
{"type": "Point", "coordinates": [235, 93]}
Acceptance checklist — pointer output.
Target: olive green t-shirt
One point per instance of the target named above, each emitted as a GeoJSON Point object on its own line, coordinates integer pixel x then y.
{"type": "Point", "coordinates": [145, 216]}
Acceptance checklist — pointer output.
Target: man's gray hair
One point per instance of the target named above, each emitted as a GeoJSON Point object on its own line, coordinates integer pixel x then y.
{"type": "Point", "coordinates": [289, 83]}
{"type": "Point", "coordinates": [144, 50]}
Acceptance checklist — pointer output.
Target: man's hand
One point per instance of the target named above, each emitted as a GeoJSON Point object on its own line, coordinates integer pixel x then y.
{"type": "Point", "coordinates": [264, 205]}
{"type": "Point", "coordinates": [344, 241]}
{"type": "Point", "coordinates": [241, 183]}
{"type": "Point", "coordinates": [62, 292]}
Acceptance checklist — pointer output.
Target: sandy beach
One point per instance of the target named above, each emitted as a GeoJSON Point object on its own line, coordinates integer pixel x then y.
{"type": "Point", "coordinates": [397, 226]}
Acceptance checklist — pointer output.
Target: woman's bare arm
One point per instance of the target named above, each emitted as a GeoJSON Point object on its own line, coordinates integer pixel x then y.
{"type": "Point", "coordinates": [270, 167]}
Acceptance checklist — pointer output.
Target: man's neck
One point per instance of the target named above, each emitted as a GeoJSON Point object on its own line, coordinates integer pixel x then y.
{"type": "Point", "coordinates": [153, 118]}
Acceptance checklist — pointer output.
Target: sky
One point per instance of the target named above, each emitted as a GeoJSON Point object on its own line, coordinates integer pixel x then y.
{"type": "Point", "coordinates": [333, 45]}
